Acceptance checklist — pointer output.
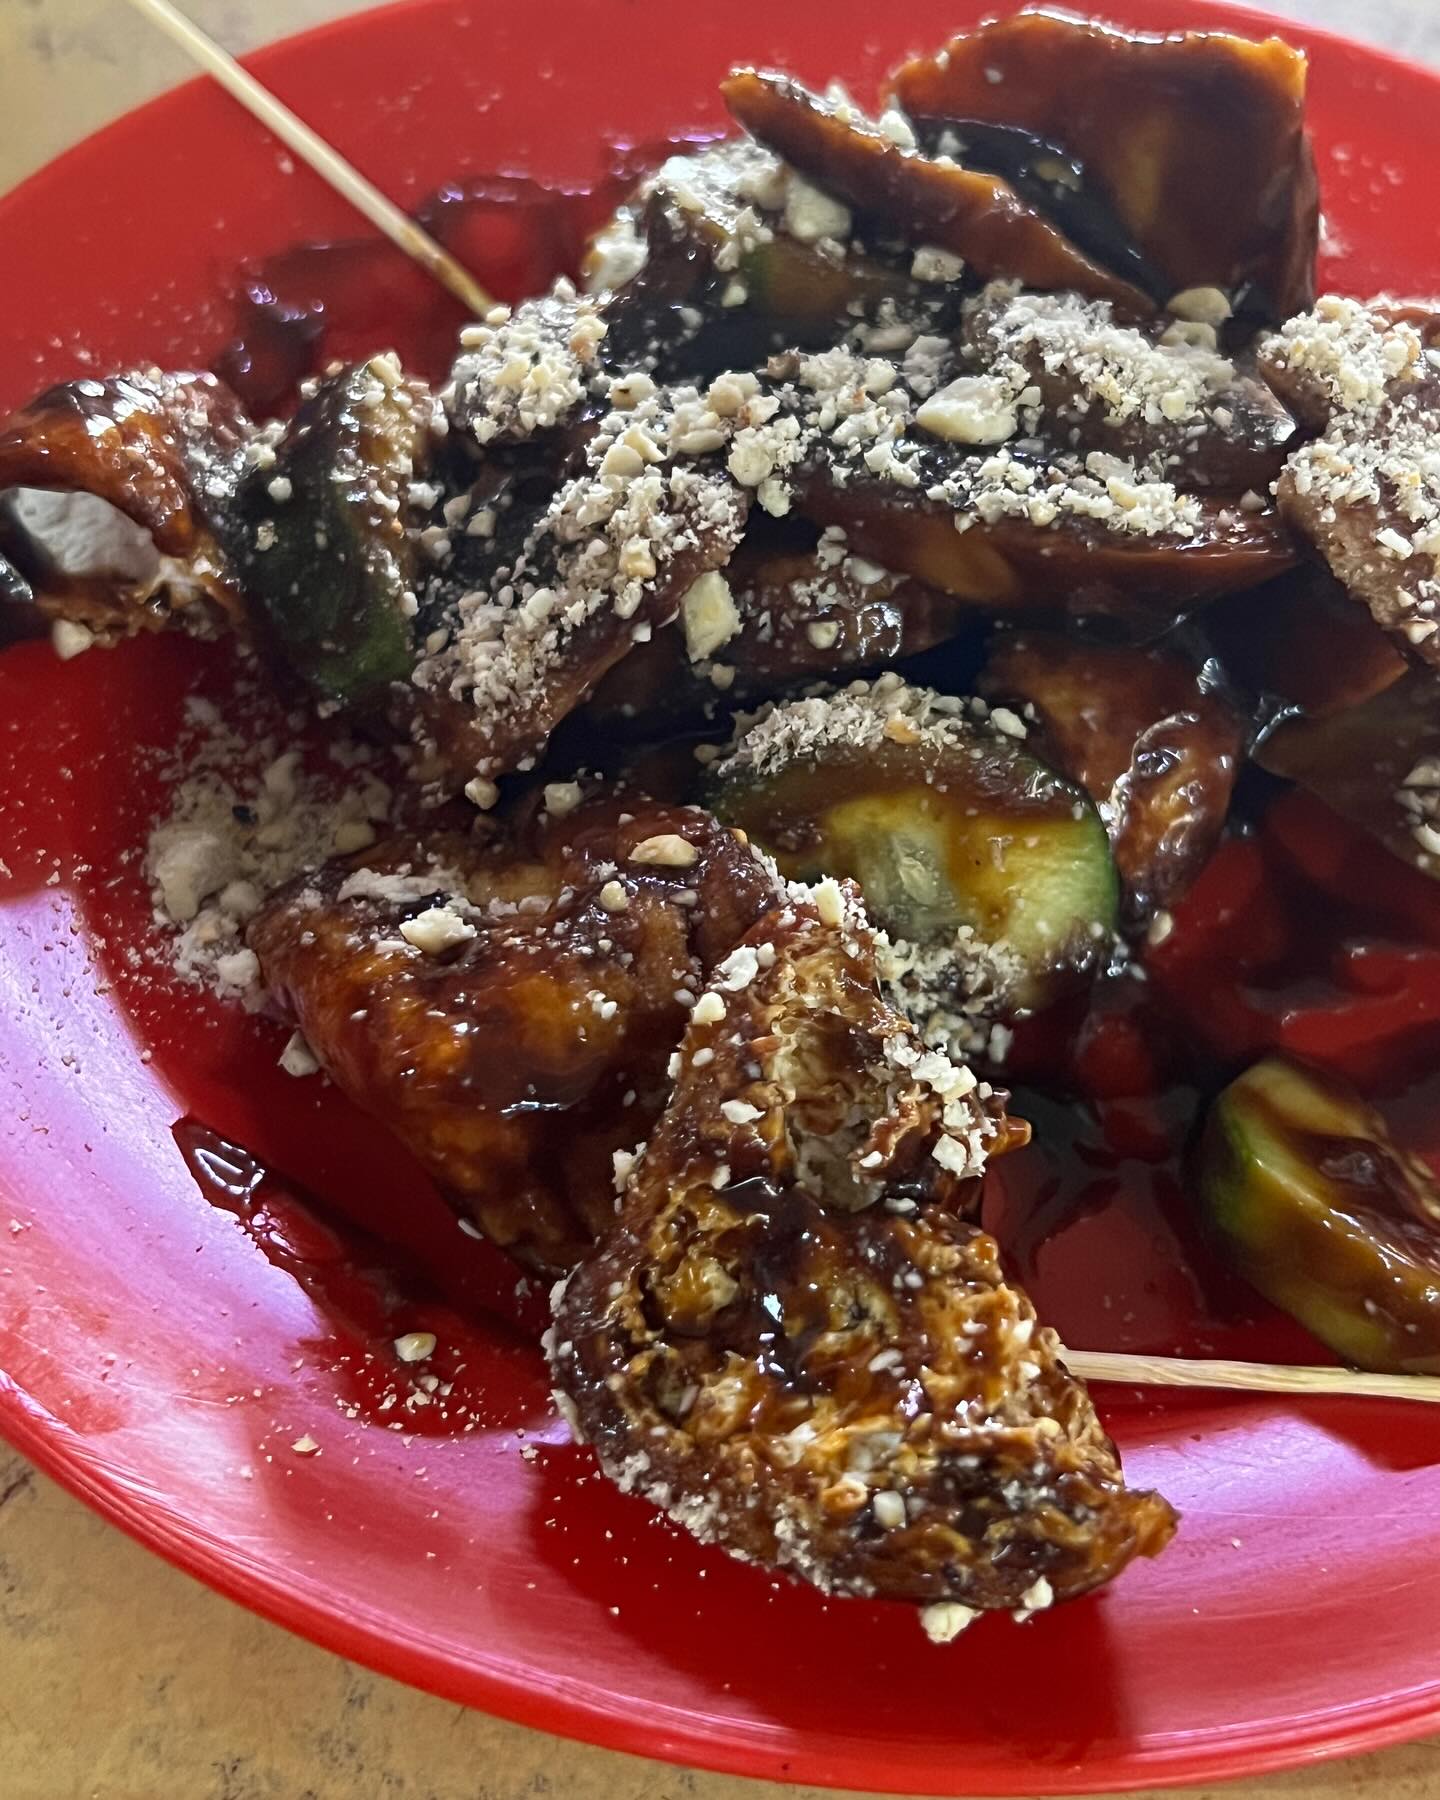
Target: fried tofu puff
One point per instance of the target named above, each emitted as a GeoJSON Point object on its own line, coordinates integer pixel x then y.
{"type": "Point", "coordinates": [796, 1341]}
{"type": "Point", "coordinates": [118, 491]}
{"type": "Point", "coordinates": [509, 1009]}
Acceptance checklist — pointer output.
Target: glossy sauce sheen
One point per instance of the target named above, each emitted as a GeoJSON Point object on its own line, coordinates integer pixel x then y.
{"type": "Point", "coordinates": [316, 302]}
{"type": "Point", "coordinates": [301, 308]}
{"type": "Point", "coordinates": [471, 1572]}
{"type": "Point", "coordinates": [372, 1294]}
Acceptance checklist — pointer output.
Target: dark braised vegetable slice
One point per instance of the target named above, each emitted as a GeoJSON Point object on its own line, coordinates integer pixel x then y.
{"type": "Point", "coordinates": [1151, 741]}
{"type": "Point", "coordinates": [716, 231]}
{"type": "Point", "coordinates": [605, 513]}
{"type": "Point", "coordinates": [321, 539]}
{"type": "Point", "coordinates": [1194, 142]}
{"type": "Point", "coordinates": [1366, 492]}
{"type": "Point", "coordinates": [1316, 1206]}
{"type": "Point", "coordinates": [957, 835]}
{"type": "Point", "coordinates": [1159, 394]}
{"type": "Point", "coordinates": [964, 478]}
{"type": "Point", "coordinates": [806, 291]}
{"type": "Point", "coordinates": [793, 1341]}
{"type": "Point", "coordinates": [1301, 640]}
{"type": "Point", "coordinates": [770, 621]}
{"type": "Point", "coordinates": [1376, 764]}
{"type": "Point", "coordinates": [495, 1004]}
{"type": "Point", "coordinates": [1065, 566]}
{"type": "Point", "coordinates": [506, 670]}
{"type": "Point", "coordinates": [1348, 355]}
{"type": "Point", "coordinates": [915, 197]}
{"type": "Point", "coordinates": [166, 451]}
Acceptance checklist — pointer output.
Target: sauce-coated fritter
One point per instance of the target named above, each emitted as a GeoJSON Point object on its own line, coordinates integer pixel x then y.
{"type": "Point", "coordinates": [1366, 492]}
{"type": "Point", "coordinates": [1181, 158]}
{"type": "Point", "coordinates": [796, 1343]}
{"type": "Point", "coordinates": [509, 1009]}
{"type": "Point", "coordinates": [166, 452]}
{"type": "Point", "coordinates": [930, 200]}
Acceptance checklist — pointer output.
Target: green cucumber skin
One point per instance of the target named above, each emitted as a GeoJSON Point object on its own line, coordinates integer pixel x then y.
{"type": "Point", "coordinates": [1084, 877]}
{"type": "Point", "coordinates": [330, 609]}
{"type": "Point", "coordinates": [1273, 1241]}
{"type": "Point", "coordinates": [335, 617]}
{"type": "Point", "coordinates": [1236, 1220]}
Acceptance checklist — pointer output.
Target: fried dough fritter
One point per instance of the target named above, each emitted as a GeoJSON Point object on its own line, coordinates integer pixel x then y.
{"type": "Point", "coordinates": [1105, 386]}
{"type": "Point", "coordinates": [795, 1341]}
{"type": "Point", "coordinates": [509, 1010]}
{"type": "Point", "coordinates": [164, 450]}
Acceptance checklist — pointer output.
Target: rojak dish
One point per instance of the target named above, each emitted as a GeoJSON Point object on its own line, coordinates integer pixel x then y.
{"type": "Point", "coordinates": [931, 621]}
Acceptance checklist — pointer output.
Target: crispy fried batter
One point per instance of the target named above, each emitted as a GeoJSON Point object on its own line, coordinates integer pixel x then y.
{"type": "Point", "coordinates": [795, 1343]}
{"type": "Point", "coordinates": [518, 1060]}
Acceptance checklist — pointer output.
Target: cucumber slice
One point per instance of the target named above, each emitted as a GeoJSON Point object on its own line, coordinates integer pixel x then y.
{"type": "Point", "coordinates": [324, 555]}
{"type": "Point", "coordinates": [706, 231]}
{"type": "Point", "coordinates": [1318, 1209]}
{"type": "Point", "coordinates": [794, 283]}
{"type": "Point", "coordinates": [949, 827]}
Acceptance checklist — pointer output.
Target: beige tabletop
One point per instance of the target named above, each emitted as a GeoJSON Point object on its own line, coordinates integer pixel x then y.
{"type": "Point", "coordinates": [120, 1678]}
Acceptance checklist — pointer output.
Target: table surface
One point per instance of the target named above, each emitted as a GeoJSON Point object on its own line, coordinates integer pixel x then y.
{"type": "Point", "coordinates": [121, 1678]}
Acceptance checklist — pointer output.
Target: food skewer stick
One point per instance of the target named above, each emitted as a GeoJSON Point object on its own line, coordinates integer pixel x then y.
{"type": "Point", "coordinates": [1266, 1378]}
{"type": "Point", "coordinates": [326, 161]}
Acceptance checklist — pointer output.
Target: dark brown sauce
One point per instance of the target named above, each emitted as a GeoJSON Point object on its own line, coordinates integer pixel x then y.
{"type": "Point", "coordinates": [1107, 1154]}
{"type": "Point", "coordinates": [1096, 1213]}
{"type": "Point", "coordinates": [372, 1294]}
{"type": "Point", "coordinates": [306, 306]}
{"type": "Point", "coordinates": [1053, 182]}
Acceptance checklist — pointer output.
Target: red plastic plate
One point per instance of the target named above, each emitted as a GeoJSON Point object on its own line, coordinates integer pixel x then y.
{"type": "Point", "coordinates": [159, 1362]}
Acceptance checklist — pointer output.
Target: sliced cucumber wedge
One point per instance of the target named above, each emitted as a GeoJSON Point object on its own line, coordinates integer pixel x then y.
{"type": "Point", "coordinates": [949, 825]}
{"type": "Point", "coordinates": [1315, 1205]}
{"type": "Point", "coordinates": [707, 231]}
{"type": "Point", "coordinates": [323, 550]}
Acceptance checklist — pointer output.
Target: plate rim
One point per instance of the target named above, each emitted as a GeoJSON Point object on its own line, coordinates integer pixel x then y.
{"type": "Point", "coordinates": [1254, 1752]}
{"type": "Point", "coordinates": [497, 1689]}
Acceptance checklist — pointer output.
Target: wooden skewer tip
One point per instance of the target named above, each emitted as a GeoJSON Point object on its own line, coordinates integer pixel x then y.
{"type": "Point", "coordinates": [1265, 1378]}
{"type": "Point", "coordinates": [321, 156]}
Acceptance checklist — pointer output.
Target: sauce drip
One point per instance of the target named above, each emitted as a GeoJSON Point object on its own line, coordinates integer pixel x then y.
{"type": "Point", "coordinates": [371, 1294]}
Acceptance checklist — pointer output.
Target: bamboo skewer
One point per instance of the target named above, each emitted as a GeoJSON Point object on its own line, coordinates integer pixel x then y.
{"type": "Point", "coordinates": [1263, 1378]}
{"type": "Point", "coordinates": [326, 161]}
